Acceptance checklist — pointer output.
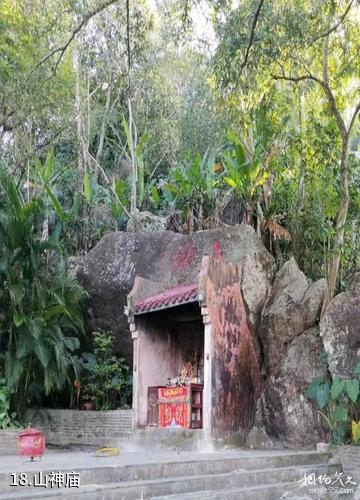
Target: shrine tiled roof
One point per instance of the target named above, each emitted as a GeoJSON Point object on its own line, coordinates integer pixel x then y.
{"type": "Point", "coordinates": [181, 294]}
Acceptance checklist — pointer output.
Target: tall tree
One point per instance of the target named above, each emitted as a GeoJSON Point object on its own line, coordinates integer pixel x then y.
{"type": "Point", "coordinates": [307, 43]}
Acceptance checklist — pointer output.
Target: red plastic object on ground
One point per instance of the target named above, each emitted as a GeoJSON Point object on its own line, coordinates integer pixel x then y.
{"type": "Point", "coordinates": [31, 443]}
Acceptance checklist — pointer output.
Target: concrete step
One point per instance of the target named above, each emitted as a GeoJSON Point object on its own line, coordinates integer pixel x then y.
{"type": "Point", "coordinates": [118, 472]}
{"type": "Point", "coordinates": [246, 482]}
{"type": "Point", "coordinates": [262, 492]}
{"type": "Point", "coordinates": [169, 439]}
{"type": "Point", "coordinates": [279, 491]}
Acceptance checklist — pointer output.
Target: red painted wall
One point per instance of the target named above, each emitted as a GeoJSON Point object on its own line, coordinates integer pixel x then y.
{"type": "Point", "coordinates": [235, 369]}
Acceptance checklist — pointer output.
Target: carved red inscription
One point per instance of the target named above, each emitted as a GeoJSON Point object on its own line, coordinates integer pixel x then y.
{"type": "Point", "coordinates": [217, 254]}
{"type": "Point", "coordinates": [185, 256]}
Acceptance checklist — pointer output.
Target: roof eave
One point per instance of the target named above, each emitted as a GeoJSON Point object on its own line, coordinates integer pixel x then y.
{"type": "Point", "coordinates": [166, 306]}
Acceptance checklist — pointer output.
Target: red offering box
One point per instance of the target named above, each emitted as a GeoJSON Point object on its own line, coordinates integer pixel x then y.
{"type": "Point", "coordinates": [31, 443]}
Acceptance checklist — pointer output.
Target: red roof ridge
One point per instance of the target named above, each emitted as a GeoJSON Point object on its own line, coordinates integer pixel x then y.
{"type": "Point", "coordinates": [179, 294]}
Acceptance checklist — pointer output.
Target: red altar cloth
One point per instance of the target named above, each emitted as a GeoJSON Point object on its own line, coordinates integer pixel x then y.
{"type": "Point", "coordinates": [174, 406]}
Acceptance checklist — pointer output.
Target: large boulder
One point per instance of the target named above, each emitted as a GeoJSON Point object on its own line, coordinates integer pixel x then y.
{"type": "Point", "coordinates": [293, 306]}
{"type": "Point", "coordinates": [108, 270]}
{"type": "Point", "coordinates": [340, 331]}
{"type": "Point", "coordinates": [145, 221]}
{"type": "Point", "coordinates": [288, 414]}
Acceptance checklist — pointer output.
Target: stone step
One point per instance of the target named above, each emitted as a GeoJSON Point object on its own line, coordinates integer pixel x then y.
{"type": "Point", "coordinates": [240, 480]}
{"type": "Point", "coordinates": [278, 491]}
{"type": "Point", "coordinates": [261, 492]}
{"type": "Point", "coordinates": [117, 472]}
{"type": "Point", "coordinates": [169, 439]}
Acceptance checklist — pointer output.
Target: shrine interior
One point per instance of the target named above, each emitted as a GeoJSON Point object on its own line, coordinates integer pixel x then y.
{"type": "Point", "coordinates": [168, 340]}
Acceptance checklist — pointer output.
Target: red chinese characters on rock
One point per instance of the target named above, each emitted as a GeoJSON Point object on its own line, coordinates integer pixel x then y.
{"type": "Point", "coordinates": [217, 253]}
{"type": "Point", "coordinates": [184, 257]}
{"type": "Point", "coordinates": [174, 407]}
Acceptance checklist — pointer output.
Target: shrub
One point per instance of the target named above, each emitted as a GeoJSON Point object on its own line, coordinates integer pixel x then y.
{"type": "Point", "coordinates": [40, 303]}
{"type": "Point", "coordinates": [338, 401]}
{"type": "Point", "coordinates": [108, 382]}
{"type": "Point", "coordinates": [7, 419]}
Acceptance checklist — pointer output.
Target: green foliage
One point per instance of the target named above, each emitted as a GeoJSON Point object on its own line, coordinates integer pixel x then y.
{"type": "Point", "coordinates": [337, 388]}
{"type": "Point", "coordinates": [176, 104]}
{"type": "Point", "coordinates": [135, 156]}
{"type": "Point", "coordinates": [293, 52]}
{"type": "Point", "coordinates": [34, 105]}
{"type": "Point", "coordinates": [355, 431]}
{"type": "Point", "coordinates": [108, 382]}
{"type": "Point", "coordinates": [121, 191]}
{"type": "Point", "coordinates": [192, 188]}
{"type": "Point", "coordinates": [184, 99]}
{"type": "Point", "coordinates": [90, 213]}
{"type": "Point", "coordinates": [154, 196]}
{"type": "Point", "coordinates": [40, 303]}
{"type": "Point", "coordinates": [7, 418]}
{"type": "Point", "coordinates": [243, 173]}
{"type": "Point", "coordinates": [337, 400]}
{"type": "Point", "coordinates": [87, 187]}
{"type": "Point", "coordinates": [352, 389]}
{"type": "Point", "coordinates": [45, 175]}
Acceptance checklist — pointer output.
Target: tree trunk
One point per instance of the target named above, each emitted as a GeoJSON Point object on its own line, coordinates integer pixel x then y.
{"type": "Point", "coordinates": [334, 262]}
{"type": "Point", "coordinates": [132, 129]}
{"type": "Point", "coordinates": [103, 125]}
{"type": "Point", "coordinates": [132, 146]}
{"type": "Point", "coordinates": [259, 219]}
{"type": "Point", "coordinates": [301, 178]}
{"type": "Point", "coordinates": [78, 119]}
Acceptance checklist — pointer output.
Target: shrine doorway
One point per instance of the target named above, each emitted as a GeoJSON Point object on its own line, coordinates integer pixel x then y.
{"type": "Point", "coordinates": [169, 367]}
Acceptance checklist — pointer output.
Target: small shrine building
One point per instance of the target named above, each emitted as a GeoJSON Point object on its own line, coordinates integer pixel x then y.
{"type": "Point", "coordinates": [195, 364]}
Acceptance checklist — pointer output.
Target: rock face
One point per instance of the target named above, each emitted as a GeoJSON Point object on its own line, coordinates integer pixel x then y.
{"type": "Point", "coordinates": [340, 331]}
{"type": "Point", "coordinates": [283, 313]}
{"type": "Point", "coordinates": [293, 306]}
{"type": "Point", "coordinates": [146, 221]}
{"type": "Point", "coordinates": [288, 414]}
{"type": "Point", "coordinates": [108, 271]}
{"type": "Point", "coordinates": [103, 217]}
{"type": "Point", "coordinates": [291, 347]}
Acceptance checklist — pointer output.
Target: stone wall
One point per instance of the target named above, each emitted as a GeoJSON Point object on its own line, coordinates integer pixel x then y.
{"type": "Point", "coordinates": [8, 441]}
{"type": "Point", "coordinates": [349, 457]}
{"type": "Point", "coordinates": [66, 427]}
